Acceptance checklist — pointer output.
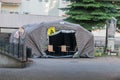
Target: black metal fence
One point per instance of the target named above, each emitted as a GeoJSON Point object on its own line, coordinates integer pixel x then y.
{"type": "Point", "coordinates": [15, 50]}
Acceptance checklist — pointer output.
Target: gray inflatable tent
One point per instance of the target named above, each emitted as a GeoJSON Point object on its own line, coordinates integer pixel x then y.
{"type": "Point", "coordinates": [37, 39]}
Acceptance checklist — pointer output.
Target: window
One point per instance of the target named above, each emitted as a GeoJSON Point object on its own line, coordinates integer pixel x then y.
{"type": "Point", "coordinates": [40, 0]}
{"type": "Point", "coordinates": [46, 0]}
{"type": "Point", "coordinates": [65, 0]}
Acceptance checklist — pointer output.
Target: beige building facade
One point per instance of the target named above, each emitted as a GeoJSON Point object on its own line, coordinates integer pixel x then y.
{"type": "Point", "coordinates": [34, 7]}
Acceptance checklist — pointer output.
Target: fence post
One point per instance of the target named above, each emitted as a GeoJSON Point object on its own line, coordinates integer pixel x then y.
{"type": "Point", "coordinates": [0, 29]}
{"type": "Point", "coordinates": [22, 51]}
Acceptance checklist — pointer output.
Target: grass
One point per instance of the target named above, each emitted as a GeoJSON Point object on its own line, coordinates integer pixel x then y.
{"type": "Point", "coordinates": [98, 54]}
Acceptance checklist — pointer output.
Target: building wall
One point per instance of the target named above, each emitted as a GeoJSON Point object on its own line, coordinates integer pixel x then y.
{"type": "Point", "coordinates": [18, 20]}
{"type": "Point", "coordinates": [63, 4]}
{"type": "Point", "coordinates": [0, 6]}
{"type": "Point", "coordinates": [15, 20]}
{"type": "Point", "coordinates": [11, 1]}
{"type": "Point", "coordinates": [9, 8]}
{"type": "Point", "coordinates": [36, 7]}
{"type": "Point", "coordinates": [53, 8]}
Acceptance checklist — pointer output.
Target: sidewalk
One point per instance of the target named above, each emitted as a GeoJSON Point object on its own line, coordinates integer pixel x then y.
{"type": "Point", "coordinates": [103, 68]}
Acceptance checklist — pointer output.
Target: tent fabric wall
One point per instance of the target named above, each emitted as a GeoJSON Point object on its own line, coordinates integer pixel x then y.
{"type": "Point", "coordinates": [37, 39]}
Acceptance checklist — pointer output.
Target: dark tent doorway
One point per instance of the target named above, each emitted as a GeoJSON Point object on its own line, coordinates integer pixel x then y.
{"type": "Point", "coordinates": [63, 37]}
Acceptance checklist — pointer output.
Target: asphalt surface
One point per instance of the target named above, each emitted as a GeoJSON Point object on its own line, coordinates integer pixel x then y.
{"type": "Point", "coordinates": [103, 68]}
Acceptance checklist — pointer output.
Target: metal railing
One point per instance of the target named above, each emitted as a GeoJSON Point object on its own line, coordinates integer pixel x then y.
{"type": "Point", "coordinates": [15, 50]}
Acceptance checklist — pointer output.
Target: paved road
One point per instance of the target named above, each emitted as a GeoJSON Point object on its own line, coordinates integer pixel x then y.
{"type": "Point", "coordinates": [104, 68]}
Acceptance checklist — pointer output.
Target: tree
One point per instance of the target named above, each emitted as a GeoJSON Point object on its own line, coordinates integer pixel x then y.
{"type": "Point", "coordinates": [117, 5]}
{"type": "Point", "coordinates": [91, 14]}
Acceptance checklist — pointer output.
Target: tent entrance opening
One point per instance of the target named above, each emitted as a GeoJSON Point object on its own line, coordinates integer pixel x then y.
{"type": "Point", "coordinates": [63, 43]}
